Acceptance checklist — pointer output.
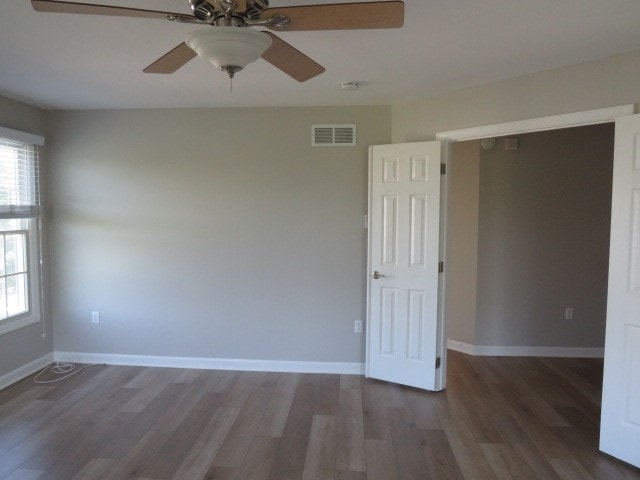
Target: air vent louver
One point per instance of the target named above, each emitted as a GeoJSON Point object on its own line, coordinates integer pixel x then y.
{"type": "Point", "coordinates": [333, 135]}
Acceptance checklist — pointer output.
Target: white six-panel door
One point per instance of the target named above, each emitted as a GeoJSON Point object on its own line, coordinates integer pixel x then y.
{"type": "Point", "coordinates": [620, 426]}
{"type": "Point", "coordinates": [404, 221]}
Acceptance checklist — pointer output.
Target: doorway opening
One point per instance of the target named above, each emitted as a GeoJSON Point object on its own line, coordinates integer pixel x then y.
{"type": "Point", "coordinates": [619, 432]}
{"type": "Point", "coordinates": [528, 226]}
{"type": "Point", "coordinates": [542, 124]}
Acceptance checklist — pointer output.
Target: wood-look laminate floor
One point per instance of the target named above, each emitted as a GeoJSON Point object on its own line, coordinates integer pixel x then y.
{"type": "Point", "coordinates": [499, 418]}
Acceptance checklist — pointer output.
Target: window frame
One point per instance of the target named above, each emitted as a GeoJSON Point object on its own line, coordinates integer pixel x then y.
{"type": "Point", "coordinates": [33, 248]}
{"type": "Point", "coordinates": [33, 315]}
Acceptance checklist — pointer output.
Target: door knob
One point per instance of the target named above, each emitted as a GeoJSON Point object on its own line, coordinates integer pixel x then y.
{"type": "Point", "coordinates": [377, 275]}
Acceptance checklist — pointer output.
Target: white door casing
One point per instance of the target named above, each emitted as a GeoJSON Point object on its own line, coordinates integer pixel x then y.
{"type": "Point", "coordinates": [404, 237]}
{"type": "Point", "coordinates": [620, 423]}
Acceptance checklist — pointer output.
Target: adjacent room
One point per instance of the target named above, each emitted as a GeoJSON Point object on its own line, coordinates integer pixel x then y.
{"type": "Point", "coordinates": [529, 218]}
{"type": "Point", "coordinates": [374, 240]}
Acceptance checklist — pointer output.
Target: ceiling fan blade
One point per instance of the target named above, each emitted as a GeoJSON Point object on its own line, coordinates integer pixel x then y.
{"type": "Point", "coordinates": [172, 60]}
{"type": "Point", "coordinates": [291, 60]}
{"type": "Point", "coordinates": [56, 6]}
{"type": "Point", "coordinates": [340, 16]}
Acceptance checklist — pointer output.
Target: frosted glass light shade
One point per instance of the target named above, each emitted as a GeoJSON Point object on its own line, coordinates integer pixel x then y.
{"type": "Point", "coordinates": [229, 46]}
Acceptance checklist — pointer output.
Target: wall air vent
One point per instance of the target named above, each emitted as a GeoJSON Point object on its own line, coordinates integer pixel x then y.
{"type": "Point", "coordinates": [333, 135]}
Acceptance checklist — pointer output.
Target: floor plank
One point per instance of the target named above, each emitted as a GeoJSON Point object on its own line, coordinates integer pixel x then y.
{"type": "Point", "coordinates": [410, 459]}
{"type": "Point", "coordinates": [515, 436]}
{"type": "Point", "coordinates": [350, 456]}
{"type": "Point", "coordinates": [238, 441]}
{"type": "Point", "coordinates": [277, 412]}
{"type": "Point", "coordinates": [200, 457]}
{"type": "Point", "coordinates": [259, 460]}
{"type": "Point", "coordinates": [178, 445]}
{"type": "Point", "coordinates": [374, 411]}
{"type": "Point", "coordinates": [441, 461]}
{"type": "Point", "coordinates": [320, 461]}
{"type": "Point", "coordinates": [95, 468]}
{"type": "Point", "coordinates": [381, 460]}
{"type": "Point", "coordinates": [505, 462]}
{"type": "Point", "coordinates": [292, 449]}
{"type": "Point", "coordinates": [22, 474]}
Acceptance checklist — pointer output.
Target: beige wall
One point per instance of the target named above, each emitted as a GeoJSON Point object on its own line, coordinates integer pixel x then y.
{"type": "Point", "coordinates": [609, 82]}
{"type": "Point", "coordinates": [211, 233]}
{"type": "Point", "coordinates": [24, 345]}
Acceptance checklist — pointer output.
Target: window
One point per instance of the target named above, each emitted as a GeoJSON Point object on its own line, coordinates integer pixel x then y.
{"type": "Point", "coordinates": [19, 235]}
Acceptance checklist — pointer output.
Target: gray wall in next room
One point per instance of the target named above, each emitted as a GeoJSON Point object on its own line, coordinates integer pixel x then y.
{"type": "Point", "coordinates": [529, 237]}
{"type": "Point", "coordinates": [543, 239]}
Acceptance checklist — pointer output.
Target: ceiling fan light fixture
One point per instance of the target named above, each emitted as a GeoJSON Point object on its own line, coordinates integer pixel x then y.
{"type": "Point", "coordinates": [229, 48]}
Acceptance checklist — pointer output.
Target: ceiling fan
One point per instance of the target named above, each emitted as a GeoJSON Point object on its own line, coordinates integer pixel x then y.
{"type": "Point", "coordinates": [226, 41]}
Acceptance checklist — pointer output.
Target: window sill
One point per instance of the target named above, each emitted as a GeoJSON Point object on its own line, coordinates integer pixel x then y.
{"type": "Point", "coordinates": [7, 326]}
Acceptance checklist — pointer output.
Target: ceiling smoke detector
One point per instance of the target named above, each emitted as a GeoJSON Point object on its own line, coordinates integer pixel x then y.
{"type": "Point", "coordinates": [488, 143]}
{"type": "Point", "coordinates": [349, 86]}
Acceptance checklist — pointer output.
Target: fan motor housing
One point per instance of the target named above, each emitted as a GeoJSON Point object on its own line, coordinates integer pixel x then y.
{"type": "Point", "coordinates": [255, 8]}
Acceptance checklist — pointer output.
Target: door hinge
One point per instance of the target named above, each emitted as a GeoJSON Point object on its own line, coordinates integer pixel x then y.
{"type": "Point", "coordinates": [443, 169]}
{"type": "Point", "coordinates": [440, 267]}
{"type": "Point", "coordinates": [438, 362]}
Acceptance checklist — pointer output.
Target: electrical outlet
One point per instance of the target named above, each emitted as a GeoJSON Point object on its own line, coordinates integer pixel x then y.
{"type": "Point", "coordinates": [358, 326]}
{"type": "Point", "coordinates": [568, 313]}
{"type": "Point", "coordinates": [95, 317]}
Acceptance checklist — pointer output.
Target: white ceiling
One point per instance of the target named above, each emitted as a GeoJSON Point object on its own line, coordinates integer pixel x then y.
{"type": "Point", "coordinates": [86, 62]}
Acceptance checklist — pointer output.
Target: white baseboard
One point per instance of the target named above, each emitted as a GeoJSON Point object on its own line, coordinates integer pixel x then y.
{"type": "Point", "coordinates": [461, 347]}
{"type": "Point", "coordinates": [205, 363]}
{"type": "Point", "coordinates": [25, 370]}
{"type": "Point", "coordinates": [279, 365]}
{"type": "Point", "coordinates": [523, 351]}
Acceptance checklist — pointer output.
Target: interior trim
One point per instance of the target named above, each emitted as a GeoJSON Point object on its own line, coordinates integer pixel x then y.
{"type": "Point", "coordinates": [554, 122]}
{"type": "Point", "coordinates": [525, 351]}
{"type": "Point", "coordinates": [26, 370]}
{"type": "Point", "coordinates": [206, 363]}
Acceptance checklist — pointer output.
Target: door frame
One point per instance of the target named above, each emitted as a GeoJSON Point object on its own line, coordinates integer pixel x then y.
{"type": "Point", "coordinates": [553, 122]}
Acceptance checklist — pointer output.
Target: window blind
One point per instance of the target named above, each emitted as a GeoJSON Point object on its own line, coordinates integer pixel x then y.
{"type": "Point", "coordinates": [19, 180]}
